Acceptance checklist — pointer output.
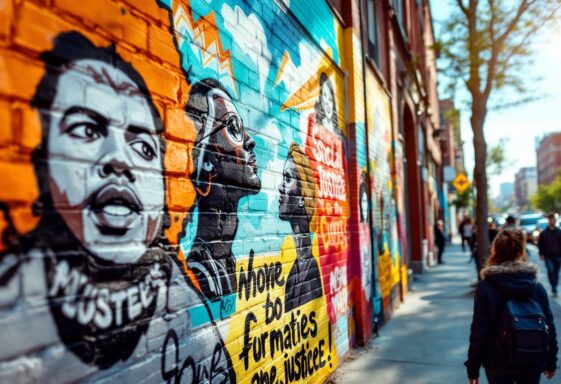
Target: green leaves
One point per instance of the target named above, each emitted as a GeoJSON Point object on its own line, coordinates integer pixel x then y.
{"type": "Point", "coordinates": [487, 44]}
{"type": "Point", "coordinates": [548, 197]}
{"type": "Point", "coordinates": [497, 159]}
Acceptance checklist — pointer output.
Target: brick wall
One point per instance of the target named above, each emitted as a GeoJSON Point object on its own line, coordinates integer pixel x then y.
{"type": "Point", "coordinates": [176, 202]}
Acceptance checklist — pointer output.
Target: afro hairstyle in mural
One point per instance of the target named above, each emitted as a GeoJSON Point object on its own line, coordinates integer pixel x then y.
{"type": "Point", "coordinates": [99, 169]}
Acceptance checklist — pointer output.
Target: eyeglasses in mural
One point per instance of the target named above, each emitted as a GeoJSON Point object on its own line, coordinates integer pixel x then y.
{"type": "Point", "coordinates": [191, 197]}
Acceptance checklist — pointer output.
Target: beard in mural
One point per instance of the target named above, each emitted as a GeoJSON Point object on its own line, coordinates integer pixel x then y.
{"type": "Point", "coordinates": [297, 206]}
{"type": "Point", "coordinates": [225, 170]}
{"type": "Point", "coordinates": [108, 269]}
{"type": "Point", "coordinates": [100, 173]}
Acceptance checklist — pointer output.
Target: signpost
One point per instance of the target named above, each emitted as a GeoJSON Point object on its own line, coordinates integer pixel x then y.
{"type": "Point", "coordinates": [461, 182]}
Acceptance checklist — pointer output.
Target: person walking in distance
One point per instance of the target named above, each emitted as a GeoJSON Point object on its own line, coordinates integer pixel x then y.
{"type": "Point", "coordinates": [439, 239]}
{"type": "Point", "coordinates": [511, 351]}
{"type": "Point", "coordinates": [549, 245]}
{"type": "Point", "coordinates": [461, 232]}
{"type": "Point", "coordinates": [466, 232]}
{"type": "Point", "coordinates": [510, 222]}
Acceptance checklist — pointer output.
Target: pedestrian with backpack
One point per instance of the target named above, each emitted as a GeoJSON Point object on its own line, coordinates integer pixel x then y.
{"type": "Point", "coordinates": [512, 332]}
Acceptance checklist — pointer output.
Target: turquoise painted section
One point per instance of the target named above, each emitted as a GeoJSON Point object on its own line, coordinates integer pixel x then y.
{"type": "Point", "coordinates": [274, 33]}
{"type": "Point", "coordinates": [320, 23]}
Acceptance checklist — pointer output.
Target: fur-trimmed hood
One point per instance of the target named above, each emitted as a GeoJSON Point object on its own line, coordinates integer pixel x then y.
{"type": "Point", "coordinates": [515, 279]}
{"type": "Point", "coordinates": [509, 267]}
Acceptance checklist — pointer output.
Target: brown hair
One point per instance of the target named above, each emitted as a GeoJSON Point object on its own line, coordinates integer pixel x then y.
{"type": "Point", "coordinates": [509, 245]}
{"type": "Point", "coordinates": [307, 182]}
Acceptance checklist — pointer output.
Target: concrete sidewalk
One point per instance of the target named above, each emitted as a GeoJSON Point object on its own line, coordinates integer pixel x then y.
{"type": "Point", "coordinates": [426, 341]}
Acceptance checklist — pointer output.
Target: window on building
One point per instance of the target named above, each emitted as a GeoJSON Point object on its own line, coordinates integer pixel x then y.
{"type": "Point", "coordinates": [373, 51]}
{"type": "Point", "coordinates": [399, 11]}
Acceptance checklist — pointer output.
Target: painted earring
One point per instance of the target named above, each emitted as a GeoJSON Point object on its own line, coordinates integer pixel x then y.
{"type": "Point", "coordinates": [207, 166]}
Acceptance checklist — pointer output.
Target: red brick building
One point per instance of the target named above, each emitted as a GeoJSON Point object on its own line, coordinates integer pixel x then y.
{"type": "Point", "coordinates": [548, 155]}
{"type": "Point", "coordinates": [525, 185]}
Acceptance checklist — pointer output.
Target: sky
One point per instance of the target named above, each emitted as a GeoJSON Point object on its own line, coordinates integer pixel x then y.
{"type": "Point", "coordinates": [520, 125]}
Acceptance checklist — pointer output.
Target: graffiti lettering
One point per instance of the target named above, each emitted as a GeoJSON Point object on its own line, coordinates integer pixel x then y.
{"type": "Point", "coordinates": [264, 377]}
{"type": "Point", "coordinates": [265, 278]}
{"type": "Point", "coordinates": [331, 184]}
{"type": "Point", "coordinates": [339, 291]}
{"type": "Point", "coordinates": [190, 370]}
{"type": "Point", "coordinates": [272, 310]}
{"type": "Point", "coordinates": [87, 303]}
{"type": "Point", "coordinates": [327, 148]}
{"type": "Point", "coordinates": [305, 362]}
{"type": "Point", "coordinates": [299, 329]}
{"type": "Point", "coordinates": [334, 232]}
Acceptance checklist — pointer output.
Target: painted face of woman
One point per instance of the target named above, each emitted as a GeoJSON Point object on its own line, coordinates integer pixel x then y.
{"type": "Point", "coordinates": [289, 191]}
{"type": "Point", "coordinates": [327, 100]}
{"type": "Point", "coordinates": [105, 165]}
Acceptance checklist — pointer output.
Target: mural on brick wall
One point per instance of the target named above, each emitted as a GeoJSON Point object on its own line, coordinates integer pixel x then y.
{"type": "Point", "coordinates": [364, 234]}
{"type": "Point", "coordinates": [295, 187]}
{"type": "Point", "coordinates": [384, 210]}
{"type": "Point", "coordinates": [364, 257]}
{"type": "Point", "coordinates": [297, 202]}
{"type": "Point", "coordinates": [183, 210]}
{"type": "Point", "coordinates": [225, 170]}
{"type": "Point", "coordinates": [98, 256]}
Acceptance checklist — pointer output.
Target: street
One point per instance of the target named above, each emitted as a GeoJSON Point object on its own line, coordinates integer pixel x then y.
{"type": "Point", "coordinates": [426, 341]}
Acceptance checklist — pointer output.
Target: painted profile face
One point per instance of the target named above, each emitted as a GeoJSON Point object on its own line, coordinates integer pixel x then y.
{"type": "Point", "coordinates": [227, 145]}
{"type": "Point", "coordinates": [290, 197]}
{"type": "Point", "coordinates": [366, 271]}
{"type": "Point", "coordinates": [105, 166]}
{"type": "Point", "coordinates": [364, 205]}
{"type": "Point", "coordinates": [327, 100]}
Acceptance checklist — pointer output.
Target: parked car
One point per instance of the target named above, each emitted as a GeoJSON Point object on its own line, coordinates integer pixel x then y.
{"type": "Point", "coordinates": [540, 226]}
{"type": "Point", "coordinates": [498, 219]}
{"type": "Point", "coordinates": [528, 223]}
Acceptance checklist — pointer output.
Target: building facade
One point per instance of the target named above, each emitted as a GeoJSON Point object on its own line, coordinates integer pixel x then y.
{"type": "Point", "coordinates": [548, 153]}
{"type": "Point", "coordinates": [525, 185]}
{"type": "Point", "coordinates": [507, 198]}
{"type": "Point", "coordinates": [210, 191]}
{"type": "Point", "coordinates": [452, 163]}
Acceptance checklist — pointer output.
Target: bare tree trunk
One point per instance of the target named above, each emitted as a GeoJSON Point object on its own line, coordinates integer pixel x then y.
{"type": "Point", "coordinates": [479, 113]}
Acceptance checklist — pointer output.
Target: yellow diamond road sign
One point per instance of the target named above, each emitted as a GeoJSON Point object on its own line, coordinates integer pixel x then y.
{"type": "Point", "coordinates": [461, 182]}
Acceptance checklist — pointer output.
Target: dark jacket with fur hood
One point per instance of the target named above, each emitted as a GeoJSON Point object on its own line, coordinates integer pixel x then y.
{"type": "Point", "coordinates": [500, 283]}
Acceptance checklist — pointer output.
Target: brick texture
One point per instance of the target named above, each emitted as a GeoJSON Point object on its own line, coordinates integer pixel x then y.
{"type": "Point", "coordinates": [182, 189]}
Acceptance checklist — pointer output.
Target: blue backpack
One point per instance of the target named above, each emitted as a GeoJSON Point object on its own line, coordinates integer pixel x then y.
{"type": "Point", "coordinates": [523, 338]}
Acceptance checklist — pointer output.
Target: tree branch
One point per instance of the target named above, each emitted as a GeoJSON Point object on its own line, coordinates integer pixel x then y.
{"type": "Point", "coordinates": [474, 80]}
{"type": "Point", "coordinates": [495, 50]}
{"type": "Point", "coordinates": [524, 5]}
{"type": "Point", "coordinates": [462, 7]}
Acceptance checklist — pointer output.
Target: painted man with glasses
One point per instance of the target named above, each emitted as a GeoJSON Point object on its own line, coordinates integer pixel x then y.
{"type": "Point", "coordinates": [225, 170]}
